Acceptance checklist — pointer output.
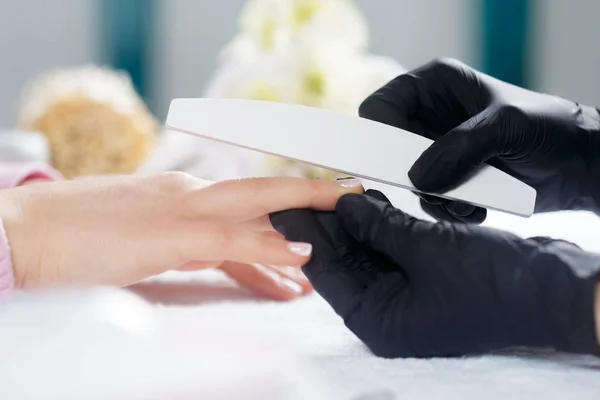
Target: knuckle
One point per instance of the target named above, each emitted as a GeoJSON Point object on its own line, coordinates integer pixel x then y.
{"type": "Point", "coordinates": [267, 244]}
{"type": "Point", "coordinates": [315, 188]}
{"type": "Point", "coordinates": [511, 112]}
{"type": "Point", "coordinates": [224, 237]}
{"type": "Point", "coordinates": [319, 193]}
{"type": "Point", "coordinates": [371, 105]}
{"type": "Point", "coordinates": [270, 245]}
{"type": "Point", "coordinates": [447, 63]}
{"type": "Point", "coordinates": [449, 68]}
{"type": "Point", "coordinates": [247, 187]}
{"type": "Point", "coordinates": [461, 139]}
{"type": "Point", "coordinates": [173, 180]}
{"type": "Point", "coordinates": [247, 190]}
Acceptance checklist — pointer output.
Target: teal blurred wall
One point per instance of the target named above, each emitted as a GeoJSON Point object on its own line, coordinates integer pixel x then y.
{"type": "Point", "coordinates": [562, 55]}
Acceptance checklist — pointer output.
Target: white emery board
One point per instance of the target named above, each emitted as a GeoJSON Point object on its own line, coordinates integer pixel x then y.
{"type": "Point", "coordinates": [344, 143]}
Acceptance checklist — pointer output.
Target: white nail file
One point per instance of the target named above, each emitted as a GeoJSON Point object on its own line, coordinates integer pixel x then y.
{"type": "Point", "coordinates": [343, 143]}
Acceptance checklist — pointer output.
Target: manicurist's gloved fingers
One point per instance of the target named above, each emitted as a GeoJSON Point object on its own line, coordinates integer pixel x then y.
{"type": "Point", "coordinates": [453, 157]}
{"type": "Point", "coordinates": [395, 104]}
{"type": "Point", "coordinates": [384, 228]}
{"type": "Point", "coordinates": [449, 161]}
{"type": "Point", "coordinates": [331, 277]}
{"type": "Point", "coordinates": [429, 100]}
{"type": "Point", "coordinates": [452, 211]}
{"type": "Point", "coordinates": [377, 195]}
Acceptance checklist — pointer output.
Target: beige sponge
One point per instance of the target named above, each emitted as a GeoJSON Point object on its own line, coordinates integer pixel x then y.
{"type": "Point", "coordinates": [93, 118]}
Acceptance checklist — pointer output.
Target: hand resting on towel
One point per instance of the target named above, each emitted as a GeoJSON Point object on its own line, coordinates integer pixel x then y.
{"type": "Point", "coordinates": [118, 230]}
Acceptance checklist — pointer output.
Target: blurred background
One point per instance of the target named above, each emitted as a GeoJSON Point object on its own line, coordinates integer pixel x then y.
{"type": "Point", "coordinates": [175, 48]}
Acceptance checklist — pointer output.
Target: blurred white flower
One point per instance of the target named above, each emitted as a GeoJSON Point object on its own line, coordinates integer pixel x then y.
{"type": "Point", "coordinates": [273, 26]}
{"type": "Point", "coordinates": [309, 52]}
{"type": "Point", "coordinates": [331, 78]}
{"type": "Point", "coordinates": [270, 78]}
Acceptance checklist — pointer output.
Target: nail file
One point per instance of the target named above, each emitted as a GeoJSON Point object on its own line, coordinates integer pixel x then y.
{"type": "Point", "coordinates": [344, 143]}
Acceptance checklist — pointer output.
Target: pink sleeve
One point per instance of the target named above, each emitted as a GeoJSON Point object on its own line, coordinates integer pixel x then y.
{"type": "Point", "coordinates": [7, 278]}
{"type": "Point", "coordinates": [13, 174]}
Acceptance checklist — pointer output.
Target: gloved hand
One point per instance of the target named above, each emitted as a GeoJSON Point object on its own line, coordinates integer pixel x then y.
{"type": "Point", "coordinates": [412, 288]}
{"type": "Point", "coordinates": [550, 143]}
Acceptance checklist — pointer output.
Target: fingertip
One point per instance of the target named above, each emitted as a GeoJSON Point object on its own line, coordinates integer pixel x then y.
{"type": "Point", "coordinates": [263, 281]}
{"type": "Point", "coordinates": [324, 194]}
{"type": "Point", "coordinates": [292, 288]}
{"type": "Point", "coordinates": [358, 213]}
{"type": "Point", "coordinates": [289, 222]}
{"type": "Point", "coordinates": [349, 182]}
{"type": "Point", "coordinates": [293, 254]}
{"type": "Point", "coordinates": [466, 213]}
{"type": "Point", "coordinates": [301, 249]}
{"type": "Point", "coordinates": [362, 202]}
{"type": "Point", "coordinates": [460, 209]}
{"type": "Point", "coordinates": [348, 202]}
{"type": "Point", "coordinates": [392, 104]}
{"type": "Point", "coordinates": [433, 200]}
{"type": "Point", "coordinates": [296, 275]}
{"type": "Point", "coordinates": [352, 207]}
{"type": "Point", "coordinates": [420, 176]}
{"type": "Point", "coordinates": [439, 167]}
{"type": "Point", "coordinates": [349, 185]}
{"type": "Point", "coordinates": [477, 217]}
{"type": "Point", "coordinates": [376, 194]}
{"type": "Point", "coordinates": [437, 211]}
{"type": "Point", "coordinates": [443, 212]}
{"type": "Point", "coordinates": [267, 249]}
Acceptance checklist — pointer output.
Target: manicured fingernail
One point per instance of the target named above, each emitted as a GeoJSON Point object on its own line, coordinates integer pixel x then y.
{"type": "Point", "coordinates": [349, 182]}
{"type": "Point", "coordinates": [295, 273]}
{"type": "Point", "coordinates": [291, 285]}
{"type": "Point", "coordinates": [301, 249]}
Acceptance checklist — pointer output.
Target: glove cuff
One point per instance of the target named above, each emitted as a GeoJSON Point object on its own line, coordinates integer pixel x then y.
{"type": "Point", "coordinates": [571, 275]}
{"type": "Point", "coordinates": [583, 336]}
{"type": "Point", "coordinates": [589, 186]}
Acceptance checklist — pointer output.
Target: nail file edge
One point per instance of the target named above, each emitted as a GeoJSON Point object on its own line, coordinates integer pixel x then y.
{"type": "Point", "coordinates": [218, 116]}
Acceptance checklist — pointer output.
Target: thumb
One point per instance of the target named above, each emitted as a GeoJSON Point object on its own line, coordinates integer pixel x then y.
{"type": "Point", "coordinates": [387, 230]}
{"type": "Point", "coordinates": [455, 156]}
{"type": "Point", "coordinates": [328, 270]}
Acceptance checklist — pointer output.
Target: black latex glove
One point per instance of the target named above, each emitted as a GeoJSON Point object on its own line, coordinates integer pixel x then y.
{"type": "Point", "coordinates": [549, 143]}
{"type": "Point", "coordinates": [412, 288]}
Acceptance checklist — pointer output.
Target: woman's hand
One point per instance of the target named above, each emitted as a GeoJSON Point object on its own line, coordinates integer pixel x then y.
{"type": "Point", "coordinates": [412, 288]}
{"type": "Point", "coordinates": [120, 230]}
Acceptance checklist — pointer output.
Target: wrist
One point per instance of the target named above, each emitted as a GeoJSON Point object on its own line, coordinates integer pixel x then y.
{"type": "Point", "coordinates": [7, 277]}
{"type": "Point", "coordinates": [14, 235]}
{"type": "Point", "coordinates": [588, 176]}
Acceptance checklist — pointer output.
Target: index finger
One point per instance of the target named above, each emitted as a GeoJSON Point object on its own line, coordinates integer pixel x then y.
{"type": "Point", "coordinates": [245, 199]}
